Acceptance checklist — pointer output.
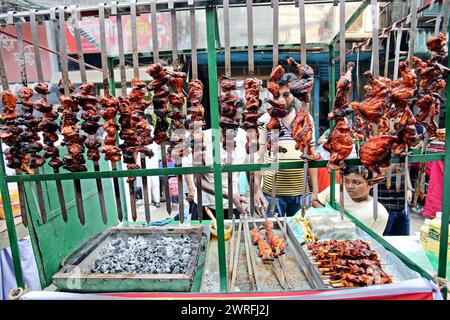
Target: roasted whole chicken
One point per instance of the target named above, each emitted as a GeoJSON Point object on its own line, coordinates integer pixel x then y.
{"type": "Point", "coordinates": [339, 144]}
{"type": "Point", "coordinates": [377, 102]}
{"type": "Point", "coordinates": [341, 106]}
{"type": "Point", "coordinates": [376, 153]}
{"type": "Point", "coordinates": [302, 134]}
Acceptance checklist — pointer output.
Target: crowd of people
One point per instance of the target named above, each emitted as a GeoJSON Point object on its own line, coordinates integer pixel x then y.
{"type": "Point", "coordinates": [392, 219]}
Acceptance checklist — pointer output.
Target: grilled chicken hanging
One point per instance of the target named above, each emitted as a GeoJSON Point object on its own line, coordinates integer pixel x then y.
{"type": "Point", "coordinates": [110, 108]}
{"type": "Point", "coordinates": [74, 160]}
{"type": "Point", "coordinates": [160, 100]}
{"type": "Point", "coordinates": [341, 106]}
{"type": "Point", "coordinates": [11, 131]}
{"type": "Point", "coordinates": [48, 125]}
{"type": "Point", "coordinates": [178, 144]}
{"type": "Point", "coordinates": [88, 102]}
{"type": "Point", "coordinates": [376, 153]}
{"type": "Point", "coordinates": [251, 114]}
{"type": "Point", "coordinates": [302, 134]}
{"type": "Point", "coordinates": [339, 144]}
{"type": "Point", "coordinates": [228, 104]}
{"type": "Point", "coordinates": [197, 113]}
{"type": "Point", "coordinates": [377, 102]}
{"type": "Point", "coordinates": [431, 74]}
{"type": "Point", "coordinates": [279, 108]}
{"type": "Point", "coordinates": [302, 87]}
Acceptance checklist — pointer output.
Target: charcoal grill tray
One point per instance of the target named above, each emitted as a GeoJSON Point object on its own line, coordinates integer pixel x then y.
{"type": "Point", "coordinates": [75, 275]}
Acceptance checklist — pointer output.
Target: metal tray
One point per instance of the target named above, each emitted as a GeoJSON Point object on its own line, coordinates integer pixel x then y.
{"type": "Point", "coordinates": [298, 269]}
{"type": "Point", "coordinates": [75, 274]}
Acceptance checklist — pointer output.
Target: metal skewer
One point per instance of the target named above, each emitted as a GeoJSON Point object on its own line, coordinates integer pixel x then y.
{"type": "Point", "coordinates": [194, 63]}
{"type": "Point", "coordinates": [236, 257]}
{"type": "Point", "coordinates": [156, 60]}
{"type": "Point", "coordinates": [275, 133]}
{"type": "Point", "coordinates": [40, 76]}
{"type": "Point", "coordinates": [123, 86]}
{"type": "Point", "coordinates": [251, 70]}
{"type": "Point", "coordinates": [303, 62]}
{"type": "Point", "coordinates": [20, 186]}
{"type": "Point", "coordinates": [134, 48]}
{"type": "Point", "coordinates": [386, 68]}
{"type": "Point", "coordinates": [250, 271]}
{"type": "Point", "coordinates": [75, 16]}
{"type": "Point", "coordinates": [376, 73]}
{"type": "Point", "coordinates": [173, 29]}
{"type": "Point", "coordinates": [65, 79]}
{"type": "Point", "coordinates": [420, 187]}
{"type": "Point", "coordinates": [23, 76]}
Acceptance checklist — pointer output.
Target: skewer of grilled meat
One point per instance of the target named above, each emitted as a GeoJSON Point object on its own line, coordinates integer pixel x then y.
{"type": "Point", "coordinates": [74, 160]}
{"type": "Point", "coordinates": [29, 138]}
{"type": "Point", "coordinates": [160, 100]}
{"type": "Point", "coordinates": [177, 146]}
{"type": "Point", "coordinates": [48, 126]}
{"type": "Point", "coordinates": [88, 102]}
{"type": "Point", "coordinates": [251, 114]}
{"type": "Point", "coordinates": [197, 123]}
{"type": "Point", "coordinates": [10, 131]}
{"type": "Point", "coordinates": [229, 104]}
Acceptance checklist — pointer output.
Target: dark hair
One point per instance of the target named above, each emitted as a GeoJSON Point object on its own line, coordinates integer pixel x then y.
{"type": "Point", "coordinates": [286, 79]}
{"type": "Point", "coordinates": [361, 170]}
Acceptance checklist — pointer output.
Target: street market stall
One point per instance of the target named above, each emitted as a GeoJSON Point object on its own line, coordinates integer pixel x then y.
{"type": "Point", "coordinates": [72, 231]}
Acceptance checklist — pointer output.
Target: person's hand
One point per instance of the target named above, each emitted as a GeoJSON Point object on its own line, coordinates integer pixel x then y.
{"type": "Point", "coordinates": [313, 198]}
{"type": "Point", "coordinates": [261, 202]}
{"type": "Point", "coordinates": [238, 201]}
{"type": "Point", "coordinates": [191, 194]}
{"type": "Point", "coordinates": [409, 196]}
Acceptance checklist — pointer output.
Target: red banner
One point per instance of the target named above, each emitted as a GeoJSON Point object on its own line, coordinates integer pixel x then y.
{"type": "Point", "coordinates": [90, 34]}
{"type": "Point", "coordinates": [9, 49]}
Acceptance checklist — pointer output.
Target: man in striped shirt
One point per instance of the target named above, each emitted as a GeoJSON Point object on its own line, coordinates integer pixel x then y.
{"type": "Point", "coordinates": [289, 183]}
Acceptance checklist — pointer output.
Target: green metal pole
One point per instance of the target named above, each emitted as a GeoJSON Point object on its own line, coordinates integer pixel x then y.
{"type": "Point", "coordinates": [11, 227]}
{"type": "Point", "coordinates": [442, 269]}
{"type": "Point", "coordinates": [112, 91]}
{"type": "Point", "coordinates": [331, 90]}
{"type": "Point", "coordinates": [214, 107]}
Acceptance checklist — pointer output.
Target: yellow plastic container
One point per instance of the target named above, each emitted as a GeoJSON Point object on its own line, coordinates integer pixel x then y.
{"type": "Point", "coordinates": [434, 236]}
{"type": "Point", "coordinates": [424, 234]}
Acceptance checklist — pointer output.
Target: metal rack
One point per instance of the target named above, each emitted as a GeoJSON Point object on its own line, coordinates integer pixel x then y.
{"type": "Point", "coordinates": [211, 24]}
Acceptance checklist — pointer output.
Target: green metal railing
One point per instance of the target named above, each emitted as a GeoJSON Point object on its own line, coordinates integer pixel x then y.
{"type": "Point", "coordinates": [217, 168]}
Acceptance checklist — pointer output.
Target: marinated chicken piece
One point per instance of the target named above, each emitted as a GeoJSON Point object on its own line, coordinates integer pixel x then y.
{"type": "Point", "coordinates": [376, 153]}
{"type": "Point", "coordinates": [339, 144]}
{"type": "Point", "coordinates": [301, 88]}
{"type": "Point", "coordinates": [302, 134]}
{"type": "Point", "coordinates": [341, 107]}
{"type": "Point", "coordinates": [227, 84]}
